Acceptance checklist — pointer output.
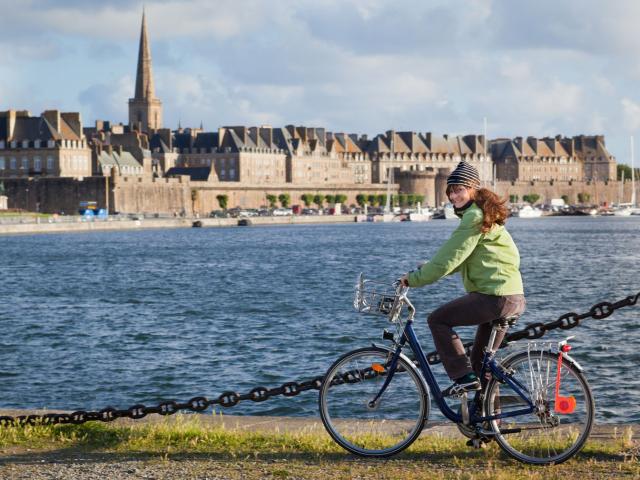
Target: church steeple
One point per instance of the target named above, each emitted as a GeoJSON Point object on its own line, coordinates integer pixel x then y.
{"type": "Point", "coordinates": [144, 77]}
{"type": "Point", "coordinates": [145, 110]}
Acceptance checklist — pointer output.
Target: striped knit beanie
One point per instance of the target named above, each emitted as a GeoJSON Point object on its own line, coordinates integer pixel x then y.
{"type": "Point", "coordinates": [464, 174]}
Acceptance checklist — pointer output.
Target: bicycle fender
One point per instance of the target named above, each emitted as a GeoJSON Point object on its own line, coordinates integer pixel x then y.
{"type": "Point", "coordinates": [413, 366]}
{"type": "Point", "coordinates": [568, 358]}
{"type": "Point", "coordinates": [565, 358]}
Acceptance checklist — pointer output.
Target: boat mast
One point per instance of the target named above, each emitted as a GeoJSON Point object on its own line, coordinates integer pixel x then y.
{"type": "Point", "coordinates": [633, 178]}
{"type": "Point", "coordinates": [387, 208]}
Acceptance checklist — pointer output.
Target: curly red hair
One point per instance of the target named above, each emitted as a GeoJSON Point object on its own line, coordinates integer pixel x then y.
{"type": "Point", "coordinates": [493, 208]}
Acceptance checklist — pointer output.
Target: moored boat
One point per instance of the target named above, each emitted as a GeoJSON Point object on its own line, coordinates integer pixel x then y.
{"type": "Point", "coordinates": [528, 212]}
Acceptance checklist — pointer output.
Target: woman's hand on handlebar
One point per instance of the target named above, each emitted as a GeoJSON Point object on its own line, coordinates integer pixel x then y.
{"type": "Point", "coordinates": [404, 280]}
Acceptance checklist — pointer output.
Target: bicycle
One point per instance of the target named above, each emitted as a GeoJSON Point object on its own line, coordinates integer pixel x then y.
{"type": "Point", "coordinates": [375, 401]}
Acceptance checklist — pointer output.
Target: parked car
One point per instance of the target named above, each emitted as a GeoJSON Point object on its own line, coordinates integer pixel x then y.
{"type": "Point", "coordinates": [218, 214]}
{"type": "Point", "coordinates": [309, 211]}
{"type": "Point", "coordinates": [281, 212]}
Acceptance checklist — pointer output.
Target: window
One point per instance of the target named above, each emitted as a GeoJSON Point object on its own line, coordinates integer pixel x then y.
{"type": "Point", "coordinates": [50, 163]}
{"type": "Point", "coordinates": [37, 164]}
{"type": "Point", "coordinates": [36, 144]}
{"type": "Point", "coordinates": [13, 165]}
{"type": "Point", "coordinates": [2, 163]}
{"type": "Point", "coordinates": [1, 143]}
{"type": "Point", "coordinates": [25, 163]}
{"type": "Point", "coordinates": [25, 144]}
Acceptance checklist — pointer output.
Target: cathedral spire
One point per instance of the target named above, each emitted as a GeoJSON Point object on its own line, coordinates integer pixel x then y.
{"type": "Point", "coordinates": [145, 109]}
{"type": "Point", "coordinates": [144, 77]}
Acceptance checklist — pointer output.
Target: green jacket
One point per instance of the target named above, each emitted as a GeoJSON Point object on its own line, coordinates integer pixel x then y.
{"type": "Point", "coordinates": [488, 262]}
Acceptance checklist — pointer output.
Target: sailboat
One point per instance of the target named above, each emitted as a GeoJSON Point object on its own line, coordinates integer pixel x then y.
{"type": "Point", "coordinates": [388, 215]}
{"type": "Point", "coordinates": [634, 207]}
{"type": "Point", "coordinates": [626, 209]}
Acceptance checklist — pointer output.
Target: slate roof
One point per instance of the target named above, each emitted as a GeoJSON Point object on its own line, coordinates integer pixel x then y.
{"type": "Point", "coordinates": [157, 144]}
{"type": "Point", "coordinates": [195, 173]}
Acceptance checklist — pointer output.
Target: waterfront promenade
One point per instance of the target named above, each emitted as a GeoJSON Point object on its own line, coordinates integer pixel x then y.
{"type": "Point", "coordinates": [78, 225]}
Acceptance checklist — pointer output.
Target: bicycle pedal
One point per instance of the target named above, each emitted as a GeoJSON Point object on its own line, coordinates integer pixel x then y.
{"type": "Point", "coordinates": [476, 443]}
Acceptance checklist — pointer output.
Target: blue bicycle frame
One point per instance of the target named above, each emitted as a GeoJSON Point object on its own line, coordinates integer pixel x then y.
{"type": "Point", "coordinates": [488, 362]}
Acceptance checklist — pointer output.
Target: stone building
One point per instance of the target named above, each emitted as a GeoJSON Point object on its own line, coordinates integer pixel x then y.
{"type": "Point", "coordinates": [52, 145]}
{"type": "Point", "coordinates": [416, 152]}
{"type": "Point", "coordinates": [548, 159]}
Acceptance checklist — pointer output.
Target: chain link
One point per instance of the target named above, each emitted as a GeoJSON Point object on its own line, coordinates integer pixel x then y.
{"type": "Point", "coordinates": [291, 389]}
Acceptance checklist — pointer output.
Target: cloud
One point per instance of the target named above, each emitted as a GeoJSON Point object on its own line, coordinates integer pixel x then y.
{"type": "Point", "coordinates": [107, 101]}
{"type": "Point", "coordinates": [363, 66]}
{"type": "Point", "coordinates": [587, 26]}
{"type": "Point", "coordinates": [631, 114]}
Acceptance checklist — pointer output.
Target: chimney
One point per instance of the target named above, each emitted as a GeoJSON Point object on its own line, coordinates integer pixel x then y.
{"type": "Point", "coordinates": [253, 135]}
{"type": "Point", "coordinates": [266, 133]}
{"type": "Point", "coordinates": [53, 117]}
{"type": "Point", "coordinates": [10, 118]}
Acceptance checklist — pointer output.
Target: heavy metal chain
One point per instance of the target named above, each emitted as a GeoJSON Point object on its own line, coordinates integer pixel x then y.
{"type": "Point", "coordinates": [291, 389]}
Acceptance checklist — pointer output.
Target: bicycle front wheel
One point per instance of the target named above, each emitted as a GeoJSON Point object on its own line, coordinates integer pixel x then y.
{"type": "Point", "coordinates": [354, 422]}
{"type": "Point", "coordinates": [562, 418]}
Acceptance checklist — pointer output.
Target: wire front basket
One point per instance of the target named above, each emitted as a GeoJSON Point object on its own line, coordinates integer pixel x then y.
{"type": "Point", "coordinates": [377, 298]}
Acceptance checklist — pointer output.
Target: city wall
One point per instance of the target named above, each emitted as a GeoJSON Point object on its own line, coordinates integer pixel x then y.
{"type": "Point", "coordinates": [180, 196]}
{"type": "Point", "coordinates": [599, 192]}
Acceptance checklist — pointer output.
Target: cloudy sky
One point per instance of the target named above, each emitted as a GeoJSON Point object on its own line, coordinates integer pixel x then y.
{"type": "Point", "coordinates": [365, 66]}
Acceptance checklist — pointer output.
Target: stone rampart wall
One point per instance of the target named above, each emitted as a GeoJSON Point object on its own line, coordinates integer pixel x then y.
{"type": "Point", "coordinates": [180, 195]}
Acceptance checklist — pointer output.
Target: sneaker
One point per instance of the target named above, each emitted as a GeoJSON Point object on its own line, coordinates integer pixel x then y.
{"type": "Point", "coordinates": [462, 385]}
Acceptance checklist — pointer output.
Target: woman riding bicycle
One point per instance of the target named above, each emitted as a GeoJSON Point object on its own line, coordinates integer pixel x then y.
{"type": "Point", "coordinates": [484, 253]}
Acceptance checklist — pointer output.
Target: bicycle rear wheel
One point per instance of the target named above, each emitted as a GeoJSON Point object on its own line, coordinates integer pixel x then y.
{"type": "Point", "coordinates": [558, 427]}
{"type": "Point", "coordinates": [379, 430]}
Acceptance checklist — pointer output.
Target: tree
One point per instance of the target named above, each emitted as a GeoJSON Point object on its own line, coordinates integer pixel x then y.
{"type": "Point", "coordinates": [195, 194]}
{"type": "Point", "coordinates": [566, 199]}
{"type": "Point", "coordinates": [222, 201]}
{"type": "Point", "coordinates": [361, 199]}
{"type": "Point", "coordinates": [272, 199]}
{"type": "Point", "coordinates": [627, 171]}
{"type": "Point", "coordinates": [341, 198]}
{"type": "Point", "coordinates": [402, 200]}
{"type": "Point", "coordinates": [583, 197]}
{"type": "Point", "coordinates": [285, 199]}
{"type": "Point", "coordinates": [373, 200]}
{"type": "Point", "coordinates": [318, 200]}
{"type": "Point", "coordinates": [532, 198]}
{"type": "Point", "coordinates": [513, 198]}
{"type": "Point", "coordinates": [331, 199]}
{"type": "Point", "coordinates": [420, 199]}
{"type": "Point", "coordinates": [382, 199]}
{"type": "Point", "coordinates": [411, 199]}
{"type": "Point", "coordinates": [307, 198]}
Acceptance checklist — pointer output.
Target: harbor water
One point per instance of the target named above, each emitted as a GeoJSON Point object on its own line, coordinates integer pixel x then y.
{"type": "Point", "coordinates": [119, 318]}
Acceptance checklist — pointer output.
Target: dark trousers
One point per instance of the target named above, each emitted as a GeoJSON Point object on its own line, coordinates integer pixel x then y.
{"type": "Point", "coordinates": [471, 309]}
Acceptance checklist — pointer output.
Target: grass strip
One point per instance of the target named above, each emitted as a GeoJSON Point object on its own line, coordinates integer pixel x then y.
{"type": "Point", "coordinates": [301, 454]}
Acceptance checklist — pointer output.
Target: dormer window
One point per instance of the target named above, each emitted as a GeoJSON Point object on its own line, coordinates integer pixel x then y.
{"type": "Point", "coordinates": [51, 144]}
{"type": "Point", "coordinates": [14, 144]}
{"type": "Point", "coordinates": [1, 144]}
{"type": "Point", "coordinates": [36, 144]}
{"type": "Point", "coordinates": [25, 144]}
